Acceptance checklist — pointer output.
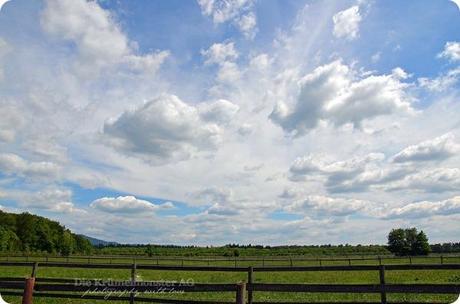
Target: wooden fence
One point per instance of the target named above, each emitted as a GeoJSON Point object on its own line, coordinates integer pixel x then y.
{"type": "Point", "coordinates": [236, 261]}
{"type": "Point", "coordinates": [67, 288]}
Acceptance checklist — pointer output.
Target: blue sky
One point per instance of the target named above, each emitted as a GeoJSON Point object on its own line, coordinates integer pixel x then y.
{"type": "Point", "coordinates": [212, 122]}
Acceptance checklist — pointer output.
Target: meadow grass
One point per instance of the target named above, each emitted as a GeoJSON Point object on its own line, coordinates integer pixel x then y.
{"type": "Point", "coordinates": [317, 277]}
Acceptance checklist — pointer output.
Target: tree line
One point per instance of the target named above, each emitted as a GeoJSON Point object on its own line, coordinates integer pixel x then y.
{"type": "Point", "coordinates": [26, 232]}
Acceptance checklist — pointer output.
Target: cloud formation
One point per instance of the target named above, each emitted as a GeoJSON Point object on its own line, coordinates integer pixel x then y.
{"type": "Point", "coordinates": [333, 93]}
{"type": "Point", "coordinates": [167, 129]}
{"type": "Point", "coordinates": [346, 23]}
{"type": "Point", "coordinates": [451, 51]}
{"type": "Point", "coordinates": [127, 205]}
{"type": "Point", "coordinates": [437, 149]}
{"type": "Point", "coordinates": [237, 11]}
{"type": "Point", "coordinates": [98, 38]}
{"type": "Point", "coordinates": [427, 208]}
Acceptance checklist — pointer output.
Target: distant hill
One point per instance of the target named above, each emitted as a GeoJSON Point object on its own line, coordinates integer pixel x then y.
{"type": "Point", "coordinates": [97, 242]}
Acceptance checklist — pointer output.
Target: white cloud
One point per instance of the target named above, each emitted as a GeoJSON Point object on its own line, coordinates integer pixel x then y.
{"type": "Point", "coordinates": [351, 175]}
{"type": "Point", "coordinates": [346, 23]}
{"type": "Point", "coordinates": [163, 130]}
{"type": "Point", "coordinates": [12, 121]}
{"type": "Point", "coordinates": [237, 11]}
{"type": "Point", "coordinates": [224, 55]}
{"type": "Point", "coordinates": [333, 93]}
{"type": "Point", "coordinates": [435, 180]}
{"type": "Point", "coordinates": [326, 206]}
{"type": "Point", "coordinates": [220, 111]}
{"type": "Point", "coordinates": [52, 199]}
{"type": "Point", "coordinates": [247, 25]}
{"type": "Point", "coordinates": [97, 36]}
{"type": "Point", "coordinates": [127, 205]}
{"type": "Point", "coordinates": [12, 164]}
{"type": "Point", "coordinates": [441, 83]}
{"type": "Point", "coordinates": [212, 195]}
{"type": "Point", "coordinates": [451, 51]}
{"type": "Point", "coordinates": [220, 52]}
{"type": "Point", "coordinates": [427, 209]}
{"type": "Point", "coordinates": [436, 149]}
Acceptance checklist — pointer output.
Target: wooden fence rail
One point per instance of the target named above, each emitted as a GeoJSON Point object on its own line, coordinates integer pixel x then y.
{"type": "Point", "coordinates": [73, 288]}
{"type": "Point", "coordinates": [286, 260]}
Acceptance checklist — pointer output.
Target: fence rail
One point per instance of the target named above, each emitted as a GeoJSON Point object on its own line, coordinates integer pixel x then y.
{"type": "Point", "coordinates": [285, 260]}
{"type": "Point", "coordinates": [71, 288]}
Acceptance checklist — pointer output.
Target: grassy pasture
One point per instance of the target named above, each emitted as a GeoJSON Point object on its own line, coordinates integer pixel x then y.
{"type": "Point", "coordinates": [322, 277]}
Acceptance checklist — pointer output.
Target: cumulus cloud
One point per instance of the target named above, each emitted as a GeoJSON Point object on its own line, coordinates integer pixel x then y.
{"type": "Point", "coordinates": [333, 93]}
{"type": "Point", "coordinates": [127, 205]}
{"type": "Point", "coordinates": [97, 36]}
{"type": "Point", "coordinates": [427, 209]}
{"type": "Point", "coordinates": [12, 164]}
{"type": "Point", "coordinates": [326, 206]}
{"type": "Point", "coordinates": [441, 83]}
{"type": "Point", "coordinates": [435, 180]}
{"type": "Point", "coordinates": [11, 122]}
{"type": "Point", "coordinates": [220, 52]}
{"type": "Point", "coordinates": [220, 111]}
{"type": "Point", "coordinates": [52, 199]}
{"type": "Point", "coordinates": [356, 174]}
{"type": "Point", "coordinates": [436, 149]}
{"type": "Point", "coordinates": [223, 55]}
{"type": "Point", "coordinates": [247, 25]}
{"type": "Point", "coordinates": [212, 195]}
{"type": "Point", "coordinates": [346, 23]}
{"type": "Point", "coordinates": [236, 11]}
{"type": "Point", "coordinates": [451, 51]}
{"type": "Point", "coordinates": [164, 129]}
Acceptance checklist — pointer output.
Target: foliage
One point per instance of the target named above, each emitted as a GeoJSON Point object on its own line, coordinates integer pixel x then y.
{"type": "Point", "coordinates": [31, 233]}
{"type": "Point", "coordinates": [243, 250]}
{"type": "Point", "coordinates": [403, 242]}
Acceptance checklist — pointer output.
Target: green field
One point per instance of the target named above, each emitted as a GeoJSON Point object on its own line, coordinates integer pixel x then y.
{"type": "Point", "coordinates": [321, 277]}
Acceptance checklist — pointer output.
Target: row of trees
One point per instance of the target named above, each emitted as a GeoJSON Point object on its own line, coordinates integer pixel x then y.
{"type": "Point", "coordinates": [31, 233]}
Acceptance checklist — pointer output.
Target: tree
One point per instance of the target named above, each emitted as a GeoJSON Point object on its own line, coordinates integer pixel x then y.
{"type": "Point", "coordinates": [149, 250]}
{"type": "Point", "coordinates": [403, 242]}
{"type": "Point", "coordinates": [9, 241]}
{"type": "Point", "coordinates": [421, 246]}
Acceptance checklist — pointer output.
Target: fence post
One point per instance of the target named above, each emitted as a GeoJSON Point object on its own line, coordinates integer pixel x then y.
{"type": "Point", "coordinates": [380, 260]}
{"type": "Point", "coordinates": [383, 294]}
{"type": "Point", "coordinates": [34, 270]}
{"type": "Point", "coordinates": [410, 260]}
{"type": "Point", "coordinates": [28, 291]}
{"type": "Point", "coordinates": [240, 293]}
{"type": "Point", "coordinates": [349, 262]}
{"type": "Point", "coordinates": [250, 281]}
{"type": "Point", "coordinates": [442, 260]}
{"type": "Point", "coordinates": [291, 261]}
{"type": "Point", "coordinates": [133, 283]}
{"type": "Point", "coordinates": [320, 262]}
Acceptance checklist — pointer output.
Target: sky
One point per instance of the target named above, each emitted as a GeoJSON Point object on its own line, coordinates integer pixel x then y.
{"type": "Point", "coordinates": [240, 121]}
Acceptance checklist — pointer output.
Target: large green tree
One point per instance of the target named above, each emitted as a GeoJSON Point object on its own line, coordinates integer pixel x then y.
{"type": "Point", "coordinates": [408, 242]}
